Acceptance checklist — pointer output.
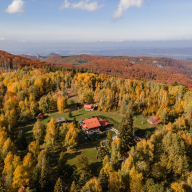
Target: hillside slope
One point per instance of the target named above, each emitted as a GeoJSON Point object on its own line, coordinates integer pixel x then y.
{"type": "Point", "coordinates": [155, 69]}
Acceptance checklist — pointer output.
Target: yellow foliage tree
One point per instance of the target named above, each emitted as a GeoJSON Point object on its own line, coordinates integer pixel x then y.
{"type": "Point", "coordinates": [39, 83]}
{"type": "Point", "coordinates": [135, 180]}
{"type": "Point", "coordinates": [34, 148]}
{"type": "Point", "coordinates": [114, 182]}
{"type": "Point", "coordinates": [51, 134]}
{"type": "Point", "coordinates": [189, 181]}
{"type": "Point", "coordinates": [71, 138]}
{"type": "Point", "coordinates": [108, 169]}
{"type": "Point", "coordinates": [61, 104]}
{"type": "Point", "coordinates": [3, 121]}
{"type": "Point", "coordinates": [177, 187]}
{"type": "Point", "coordinates": [10, 164]}
{"type": "Point", "coordinates": [38, 131]}
{"type": "Point", "coordinates": [3, 137]}
{"type": "Point", "coordinates": [116, 150]}
{"type": "Point", "coordinates": [63, 132]}
{"type": "Point", "coordinates": [20, 177]}
{"type": "Point", "coordinates": [42, 159]}
{"type": "Point", "coordinates": [28, 161]}
{"type": "Point", "coordinates": [7, 146]}
{"type": "Point", "coordinates": [92, 185]}
{"type": "Point", "coordinates": [12, 117]}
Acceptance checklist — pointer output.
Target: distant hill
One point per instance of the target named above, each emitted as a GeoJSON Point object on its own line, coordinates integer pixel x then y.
{"type": "Point", "coordinates": [159, 69]}
{"type": "Point", "coordinates": [16, 61]}
{"type": "Point", "coordinates": [162, 64]}
{"type": "Point", "coordinates": [39, 57]}
{"type": "Point", "coordinates": [52, 55]}
{"type": "Point", "coordinates": [74, 60]}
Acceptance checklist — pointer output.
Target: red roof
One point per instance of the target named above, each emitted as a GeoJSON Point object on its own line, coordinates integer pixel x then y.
{"type": "Point", "coordinates": [91, 123]}
{"type": "Point", "coordinates": [88, 106]}
{"type": "Point", "coordinates": [126, 154]}
{"type": "Point", "coordinates": [104, 123]}
{"type": "Point", "coordinates": [155, 120]}
{"type": "Point", "coordinates": [41, 115]}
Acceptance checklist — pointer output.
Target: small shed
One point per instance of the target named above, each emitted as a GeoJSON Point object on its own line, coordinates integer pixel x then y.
{"type": "Point", "coordinates": [126, 154]}
{"type": "Point", "coordinates": [60, 120]}
{"type": "Point", "coordinates": [89, 107]}
{"type": "Point", "coordinates": [154, 120]}
{"type": "Point", "coordinates": [40, 116]}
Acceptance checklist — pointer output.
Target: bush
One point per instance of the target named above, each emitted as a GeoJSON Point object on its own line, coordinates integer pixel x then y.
{"type": "Point", "coordinates": [70, 114]}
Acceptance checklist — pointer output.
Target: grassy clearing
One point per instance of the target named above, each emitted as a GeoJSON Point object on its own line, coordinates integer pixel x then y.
{"type": "Point", "coordinates": [80, 114]}
{"type": "Point", "coordinates": [138, 122]}
{"type": "Point", "coordinates": [86, 146]}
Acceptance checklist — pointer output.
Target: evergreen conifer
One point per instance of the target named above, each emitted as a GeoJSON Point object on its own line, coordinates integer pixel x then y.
{"type": "Point", "coordinates": [70, 114]}
{"type": "Point", "coordinates": [109, 140]}
{"type": "Point", "coordinates": [126, 131]}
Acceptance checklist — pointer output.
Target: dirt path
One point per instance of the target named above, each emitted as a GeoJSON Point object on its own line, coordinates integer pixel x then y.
{"type": "Point", "coordinates": [70, 93]}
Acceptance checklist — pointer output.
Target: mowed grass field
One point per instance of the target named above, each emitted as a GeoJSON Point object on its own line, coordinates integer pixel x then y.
{"type": "Point", "coordinates": [86, 146]}
{"type": "Point", "coordinates": [80, 114]}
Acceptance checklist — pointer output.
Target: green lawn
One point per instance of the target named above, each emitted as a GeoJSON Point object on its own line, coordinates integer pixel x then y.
{"type": "Point", "coordinates": [86, 146]}
{"type": "Point", "coordinates": [138, 122]}
{"type": "Point", "coordinates": [80, 115]}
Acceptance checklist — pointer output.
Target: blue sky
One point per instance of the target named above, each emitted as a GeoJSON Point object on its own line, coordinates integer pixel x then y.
{"type": "Point", "coordinates": [94, 20]}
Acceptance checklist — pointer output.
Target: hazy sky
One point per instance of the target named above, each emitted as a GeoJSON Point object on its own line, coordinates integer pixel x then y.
{"type": "Point", "coordinates": [94, 20]}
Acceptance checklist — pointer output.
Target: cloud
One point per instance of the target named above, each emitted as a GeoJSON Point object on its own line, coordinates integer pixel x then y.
{"type": "Point", "coordinates": [17, 6]}
{"type": "Point", "coordinates": [83, 4]}
{"type": "Point", "coordinates": [124, 5]}
{"type": "Point", "coordinates": [3, 39]}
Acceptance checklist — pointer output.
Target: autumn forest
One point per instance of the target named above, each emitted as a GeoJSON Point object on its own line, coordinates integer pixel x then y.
{"type": "Point", "coordinates": [36, 158]}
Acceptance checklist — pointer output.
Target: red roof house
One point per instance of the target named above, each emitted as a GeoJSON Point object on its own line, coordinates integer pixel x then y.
{"type": "Point", "coordinates": [154, 120]}
{"type": "Point", "coordinates": [91, 126]}
{"type": "Point", "coordinates": [40, 116]}
{"type": "Point", "coordinates": [89, 108]}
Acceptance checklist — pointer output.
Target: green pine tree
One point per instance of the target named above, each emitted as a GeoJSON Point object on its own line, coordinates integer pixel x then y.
{"type": "Point", "coordinates": [21, 141]}
{"type": "Point", "coordinates": [84, 177]}
{"type": "Point", "coordinates": [126, 131]}
{"type": "Point", "coordinates": [36, 178]}
{"type": "Point", "coordinates": [74, 122]}
{"type": "Point", "coordinates": [78, 126]}
{"type": "Point", "coordinates": [109, 140]}
{"type": "Point", "coordinates": [103, 180]}
{"type": "Point", "coordinates": [44, 182]}
{"type": "Point", "coordinates": [70, 114]}
{"type": "Point", "coordinates": [102, 150]}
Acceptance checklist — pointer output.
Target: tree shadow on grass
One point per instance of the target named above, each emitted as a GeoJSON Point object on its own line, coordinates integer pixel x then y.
{"type": "Point", "coordinates": [27, 130]}
{"type": "Point", "coordinates": [144, 133]}
{"type": "Point", "coordinates": [95, 168]}
{"type": "Point", "coordinates": [78, 115]}
{"type": "Point", "coordinates": [69, 156]}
